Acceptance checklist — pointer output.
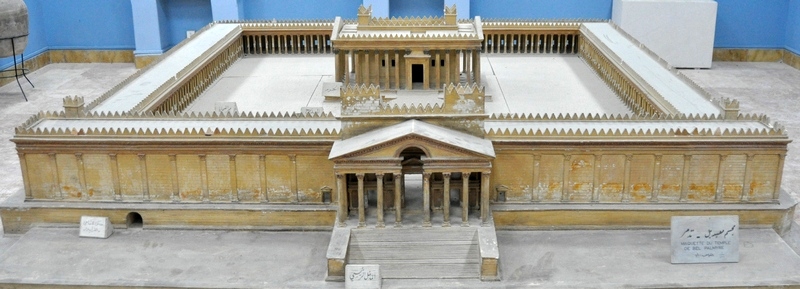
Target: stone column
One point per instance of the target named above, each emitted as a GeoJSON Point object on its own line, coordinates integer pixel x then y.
{"type": "Point", "coordinates": [484, 198]}
{"type": "Point", "coordinates": [379, 177]}
{"type": "Point", "coordinates": [465, 199]}
{"type": "Point", "coordinates": [476, 66]}
{"type": "Point", "coordinates": [426, 199]}
{"type": "Point", "coordinates": [338, 71]}
{"type": "Point", "coordinates": [145, 182]}
{"type": "Point", "coordinates": [396, 70]}
{"type": "Point", "coordinates": [720, 179]}
{"type": "Point", "coordinates": [82, 176]}
{"type": "Point", "coordinates": [468, 65]}
{"type": "Point", "coordinates": [114, 177]}
{"type": "Point", "coordinates": [361, 214]}
{"type": "Point", "coordinates": [204, 178]}
{"type": "Point", "coordinates": [388, 63]}
{"type": "Point", "coordinates": [656, 179]}
{"type": "Point", "coordinates": [626, 181]}
{"type": "Point", "coordinates": [438, 81]}
{"type": "Point", "coordinates": [748, 177]}
{"type": "Point", "coordinates": [687, 161]}
{"type": "Point", "coordinates": [778, 178]}
{"type": "Point", "coordinates": [342, 196]}
{"type": "Point", "coordinates": [447, 79]}
{"type": "Point", "coordinates": [234, 179]}
{"type": "Point", "coordinates": [446, 199]}
{"type": "Point", "coordinates": [398, 206]}
{"type": "Point", "coordinates": [173, 162]}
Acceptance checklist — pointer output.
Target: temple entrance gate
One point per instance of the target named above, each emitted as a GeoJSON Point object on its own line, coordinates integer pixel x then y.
{"type": "Point", "coordinates": [374, 170]}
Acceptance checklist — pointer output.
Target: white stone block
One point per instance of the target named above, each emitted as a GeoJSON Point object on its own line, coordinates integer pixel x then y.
{"type": "Point", "coordinates": [705, 239]}
{"type": "Point", "coordinates": [362, 277]}
{"type": "Point", "coordinates": [679, 31]}
{"type": "Point", "coordinates": [96, 227]}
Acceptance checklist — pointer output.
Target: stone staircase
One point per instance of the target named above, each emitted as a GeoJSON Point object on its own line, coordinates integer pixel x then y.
{"type": "Point", "coordinates": [432, 253]}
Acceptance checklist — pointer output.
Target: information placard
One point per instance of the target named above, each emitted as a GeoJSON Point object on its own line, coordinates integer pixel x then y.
{"type": "Point", "coordinates": [705, 239]}
{"type": "Point", "coordinates": [362, 277]}
{"type": "Point", "coordinates": [96, 227]}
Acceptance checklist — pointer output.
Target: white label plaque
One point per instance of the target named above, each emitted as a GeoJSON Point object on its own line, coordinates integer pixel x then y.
{"type": "Point", "coordinates": [705, 239]}
{"type": "Point", "coordinates": [96, 227]}
{"type": "Point", "coordinates": [362, 277]}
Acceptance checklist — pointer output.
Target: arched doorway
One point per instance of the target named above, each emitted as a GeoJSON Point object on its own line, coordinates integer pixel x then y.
{"type": "Point", "coordinates": [411, 200]}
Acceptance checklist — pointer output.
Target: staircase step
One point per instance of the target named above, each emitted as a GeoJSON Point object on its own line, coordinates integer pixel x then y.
{"type": "Point", "coordinates": [416, 261]}
{"type": "Point", "coordinates": [409, 243]}
{"type": "Point", "coordinates": [430, 271]}
{"type": "Point", "coordinates": [357, 253]}
{"type": "Point", "coordinates": [431, 253]}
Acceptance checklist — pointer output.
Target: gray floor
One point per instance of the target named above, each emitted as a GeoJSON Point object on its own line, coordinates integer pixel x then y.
{"type": "Point", "coordinates": [568, 259]}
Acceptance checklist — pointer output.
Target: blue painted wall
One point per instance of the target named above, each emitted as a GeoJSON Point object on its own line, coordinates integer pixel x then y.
{"type": "Point", "coordinates": [751, 23]}
{"type": "Point", "coordinates": [37, 42]}
{"type": "Point", "coordinates": [108, 24]}
{"type": "Point", "coordinates": [300, 9]}
{"type": "Point", "coordinates": [541, 9]}
{"type": "Point", "coordinates": [414, 8]}
{"type": "Point", "coordinates": [88, 24]}
{"type": "Point", "coordinates": [793, 27]}
{"type": "Point", "coordinates": [183, 15]}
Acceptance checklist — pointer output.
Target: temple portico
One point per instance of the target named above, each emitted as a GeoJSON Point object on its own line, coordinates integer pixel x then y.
{"type": "Point", "coordinates": [398, 53]}
{"type": "Point", "coordinates": [453, 162]}
{"type": "Point", "coordinates": [384, 193]}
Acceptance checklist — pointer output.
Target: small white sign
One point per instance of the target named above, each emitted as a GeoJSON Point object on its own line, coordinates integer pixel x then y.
{"type": "Point", "coordinates": [226, 107]}
{"type": "Point", "coordinates": [362, 277]}
{"type": "Point", "coordinates": [705, 239]}
{"type": "Point", "coordinates": [96, 227]}
{"type": "Point", "coordinates": [331, 89]}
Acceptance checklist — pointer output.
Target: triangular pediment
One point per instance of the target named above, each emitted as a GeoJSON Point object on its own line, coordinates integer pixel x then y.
{"type": "Point", "coordinates": [439, 142]}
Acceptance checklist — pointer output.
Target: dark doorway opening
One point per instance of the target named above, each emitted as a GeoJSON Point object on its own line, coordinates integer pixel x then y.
{"type": "Point", "coordinates": [417, 73]}
{"type": "Point", "coordinates": [134, 220]}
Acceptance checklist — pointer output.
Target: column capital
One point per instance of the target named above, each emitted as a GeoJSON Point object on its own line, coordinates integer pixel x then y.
{"type": "Point", "coordinates": [360, 176]}
{"type": "Point", "coordinates": [446, 175]}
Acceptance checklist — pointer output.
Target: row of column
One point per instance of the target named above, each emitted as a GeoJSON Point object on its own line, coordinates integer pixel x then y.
{"type": "Point", "coordinates": [530, 43]}
{"type": "Point", "coordinates": [631, 94]}
{"type": "Point", "coordinates": [388, 68]}
{"type": "Point", "coordinates": [426, 196]}
{"type": "Point", "coordinates": [286, 44]}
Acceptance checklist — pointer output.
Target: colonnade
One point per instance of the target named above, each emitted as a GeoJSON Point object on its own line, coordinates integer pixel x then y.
{"type": "Point", "coordinates": [286, 44]}
{"type": "Point", "coordinates": [565, 43]}
{"type": "Point", "coordinates": [393, 69]}
{"type": "Point", "coordinates": [399, 188]}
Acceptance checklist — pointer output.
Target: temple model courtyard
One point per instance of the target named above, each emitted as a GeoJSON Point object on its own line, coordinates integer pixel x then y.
{"type": "Point", "coordinates": [412, 139]}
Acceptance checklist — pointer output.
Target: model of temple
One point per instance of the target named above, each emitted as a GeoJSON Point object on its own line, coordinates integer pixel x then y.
{"type": "Point", "coordinates": [412, 123]}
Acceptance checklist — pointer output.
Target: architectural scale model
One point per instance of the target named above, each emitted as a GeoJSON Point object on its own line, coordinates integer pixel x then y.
{"type": "Point", "coordinates": [401, 139]}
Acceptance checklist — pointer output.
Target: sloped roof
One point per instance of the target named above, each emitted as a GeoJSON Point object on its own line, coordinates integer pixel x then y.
{"type": "Point", "coordinates": [417, 128]}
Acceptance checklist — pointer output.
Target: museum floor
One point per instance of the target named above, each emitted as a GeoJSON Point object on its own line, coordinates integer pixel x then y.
{"type": "Point", "coordinates": [236, 259]}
